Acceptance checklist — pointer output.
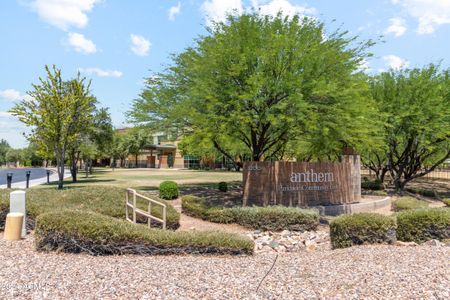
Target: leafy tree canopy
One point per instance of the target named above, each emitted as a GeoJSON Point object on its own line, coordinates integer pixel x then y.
{"type": "Point", "coordinates": [266, 84]}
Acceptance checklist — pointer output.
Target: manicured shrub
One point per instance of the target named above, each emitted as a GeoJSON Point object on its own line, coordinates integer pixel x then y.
{"type": "Point", "coordinates": [375, 185]}
{"type": "Point", "coordinates": [446, 201]}
{"type": "Point", "coordinates": [274, 218]}
{"type": "Point", "coordinates": [405, 203]}
{"type": "Point", "coordinates": [222, 186]}
{"type": "Point", "coordinates": [195, 207]}
{"type": "Point", "coordinates": [422, 192]}
{"type": "Point", "coordinates": [106, 200]}
{"type": "Point", "coordinates": [421, 225]}
{"type": "Point", "coordinates": [362, 228]}
{"type": "Point", "coordinates": [168, 190]}
{"type": "Point", "coordinates": [81, 231]}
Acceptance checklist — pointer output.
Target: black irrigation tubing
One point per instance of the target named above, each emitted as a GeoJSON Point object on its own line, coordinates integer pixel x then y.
{"type": "Point", "coordinates": [273, 264]}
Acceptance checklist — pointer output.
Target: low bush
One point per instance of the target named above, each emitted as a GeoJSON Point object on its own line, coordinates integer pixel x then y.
{"type": "Point", "coordinates": [421, 225]}
{"type": "Point", "coordinates": [222, 186]}
{"type": "Point", "coordinates": [106, 200]}
{"type": "Point", "coordinates": [446, 201]}
{"type": "Point", "coordinates": [168, 190]}
{"type": "Point", "coordinates": [375, 185]}
{"type": "Point", "coordinates": [422, 192]}
{"type": "Point", "coordinates": [405, 203]}
{"type": "Point", "coordinates": [379, 193]}
{"type": "Point", "coordinates": [362, 228]}
{"type": "Point", "coordinates": [274, 218]}
{"type": "Point", "coordinates": [82, 231]}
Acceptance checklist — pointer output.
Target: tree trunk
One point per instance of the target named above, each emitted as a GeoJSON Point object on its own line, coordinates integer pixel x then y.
{"type": "Point", "coordinates": [60, 167]}
{"type": "Point", "coordinates": [136, 161]}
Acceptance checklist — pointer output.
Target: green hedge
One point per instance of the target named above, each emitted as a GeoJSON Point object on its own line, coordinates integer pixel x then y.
{"type": "Point", "coordinates": [405, 203]}
{"type": "Point", "coordinates": [106, 200]}
{"type": "Point", "coordinates": [168, 190]}
{"type": "Point", "coordinates": [362, 228]}
{"type": "Point", "coordinates": [423, 192]}
{"type": "Point", "coordinates": [375, 185]}
{"type": "Point", "coordinates": [264, 218]}
{"type": "Point", "coordinates": [222, 186]}
{"type": "Point", "coordinates": [83, 231]}
{"type": "Point", "coordinates": [421, 225]}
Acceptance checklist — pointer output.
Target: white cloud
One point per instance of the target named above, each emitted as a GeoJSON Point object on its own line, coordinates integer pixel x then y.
{"type": "Point", "coordinates": [64, 13]}
{"type": "Point", "coordinates": [394, 62]}
{"type": "Point", "coordinates": [174, 11]}
{"type": "Point", "coordinates": [429, 13]}
{"type": "Point", "coordinates": [13, 95]}
{"type": "Point", "coordinates": [364, 66]}
{"type": "Point", "coordinates": [81, 44]}
{"type": "Point", "coordinates": [5, 114]}
{"type": "Point", "coordinates": [140, 45]}
{"type": "Point", "coordinates": [397, 27]}
{"type": "Point", "coordinates": [275, 6]}
{"type": "Point", "coordinates": [102, 73]}
{"type": "Point", "coordinates": [217, 10]}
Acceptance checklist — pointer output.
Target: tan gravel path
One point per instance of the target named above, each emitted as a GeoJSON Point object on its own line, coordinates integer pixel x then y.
{"type": "Point", "coordinates": [368, 272]}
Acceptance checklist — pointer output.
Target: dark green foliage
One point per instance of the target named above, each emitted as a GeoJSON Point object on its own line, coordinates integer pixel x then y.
{"type": "Point", "coordinates": [422, 192]}
{"type": "Point", "coordinates": [405, 203]}
{"type": "Point", "coordinates": [109, 201]}
{"type": "Point", "coordinates": [260, 86]}
{"type": "Point", "coordinates": [362, 228]}
{"type": "Point", "coordinates": [222, 186]}
{"type": "Point", "coordinates": [97, 234]}
{"type": "Point", "coordinates": [375, 185]}
{"type": "Point", "coordinates": [168, 190]}
{"type": "Point", "coordinates": [421, 225]}
{"type": "Point", "coordinates": [274, 218]}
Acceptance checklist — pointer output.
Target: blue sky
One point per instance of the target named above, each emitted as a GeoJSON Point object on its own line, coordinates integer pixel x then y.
{"type": "Point", "coordinates": [119, 43]}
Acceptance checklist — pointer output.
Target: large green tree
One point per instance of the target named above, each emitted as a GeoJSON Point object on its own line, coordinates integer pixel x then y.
{"type": "Point", "coordinates": [415, 105]}
{"type": "Point", "coordinates": [57, 112]}
{"type": "Point", "coordinates": [266, 84]}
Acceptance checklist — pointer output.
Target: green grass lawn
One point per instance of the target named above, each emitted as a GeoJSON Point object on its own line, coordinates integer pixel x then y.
{"type": "Point", "coordinates": [146, 179]}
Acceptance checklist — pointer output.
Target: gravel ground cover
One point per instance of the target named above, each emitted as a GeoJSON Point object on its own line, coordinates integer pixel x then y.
{"type": "Point", "coordinates": [369, 272]}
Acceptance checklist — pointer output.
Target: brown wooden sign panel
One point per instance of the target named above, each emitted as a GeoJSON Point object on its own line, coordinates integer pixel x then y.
{"type": "Point", "coordinates": [302, 183]}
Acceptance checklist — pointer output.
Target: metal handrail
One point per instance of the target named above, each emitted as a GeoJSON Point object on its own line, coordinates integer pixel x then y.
{"type": "Point", "coordinates": [148, 213]}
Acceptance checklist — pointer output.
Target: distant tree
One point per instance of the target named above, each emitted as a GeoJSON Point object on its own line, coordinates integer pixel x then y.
{"type": "Point", "coordinates": [135, 141]}
{"type": "Point", "coordinates": [58, 111]}
{"type": "Point", "coordinates": [14, 156]}
{"type": "Point", "coordinates": [416, 104]}
{"type": "Point", "coordinates": [266, 84]}
{"type": "Point", "coordinates": [98, 133]}
{"type": "Point", "coordinates": [4, 147]}
{"type": "Point", "coordinates": [118, 149]}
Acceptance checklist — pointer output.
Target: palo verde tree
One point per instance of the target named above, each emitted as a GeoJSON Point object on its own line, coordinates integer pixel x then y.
{"type": "Point", "coordinates": [416, 104]}
{"type": "Point", "coordinates": [57, 113]}
{"type": "Point", "coordinates": [259, 82]}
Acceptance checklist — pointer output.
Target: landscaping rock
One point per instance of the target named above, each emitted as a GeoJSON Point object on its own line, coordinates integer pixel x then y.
{"type": "Point", "coordinates": [434, 243]}
{"type": "Point", "coordinates": [407, 244]}
{"type": "Point", "coordinates": [290, 241]}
